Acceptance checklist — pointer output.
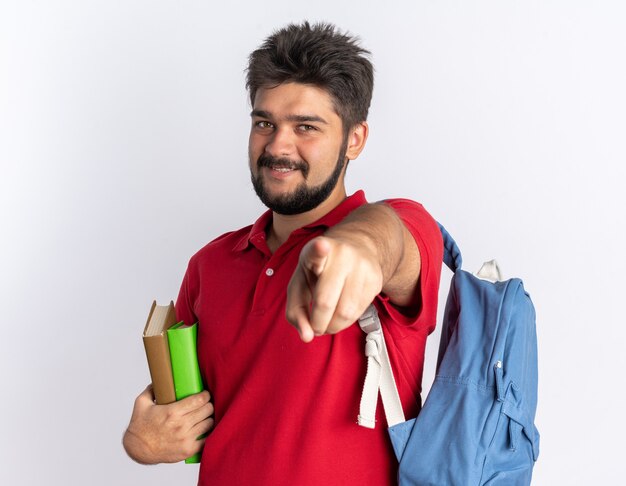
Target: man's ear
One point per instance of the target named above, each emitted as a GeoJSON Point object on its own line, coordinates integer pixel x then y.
{"type": "Point", "coordinates": [356, 140]}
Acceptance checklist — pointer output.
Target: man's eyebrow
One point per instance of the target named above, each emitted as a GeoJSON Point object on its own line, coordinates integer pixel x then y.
{"type": "Point", "coordinates": [306, 118]}
{"type": "Point", "coordinates": [291, 118]}
{"type": "Point", "coordinates": [261, 114]}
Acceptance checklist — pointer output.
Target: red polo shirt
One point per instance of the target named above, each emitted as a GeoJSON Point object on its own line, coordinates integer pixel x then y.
{"type": "Point", "coordinates": [285, 411]}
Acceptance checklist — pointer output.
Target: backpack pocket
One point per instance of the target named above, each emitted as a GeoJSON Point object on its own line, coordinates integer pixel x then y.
{"type": "Point", "coordinates": [514, 447]}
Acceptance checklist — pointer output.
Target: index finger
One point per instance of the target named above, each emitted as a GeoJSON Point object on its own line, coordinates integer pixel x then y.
{"type": "Point", "coordinates": [192, 402]}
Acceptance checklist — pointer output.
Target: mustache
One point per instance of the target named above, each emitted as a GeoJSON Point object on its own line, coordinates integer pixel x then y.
{"type": "Point", "coordinates": [271, 162]}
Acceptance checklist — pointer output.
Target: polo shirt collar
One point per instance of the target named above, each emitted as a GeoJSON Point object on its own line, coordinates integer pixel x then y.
{"type": "Point", "coordinates": [257, 231]}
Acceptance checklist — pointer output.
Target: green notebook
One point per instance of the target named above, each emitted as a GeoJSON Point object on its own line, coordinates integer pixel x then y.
{"type": "Point", "coordinates": [185, 370]}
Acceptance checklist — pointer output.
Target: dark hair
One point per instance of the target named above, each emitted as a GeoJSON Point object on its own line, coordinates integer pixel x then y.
{"type": "Point", "coordinates": [321, 56]}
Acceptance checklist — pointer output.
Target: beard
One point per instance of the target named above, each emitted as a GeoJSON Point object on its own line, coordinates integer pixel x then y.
{"type": "Point", "coordinates": [303, 198]}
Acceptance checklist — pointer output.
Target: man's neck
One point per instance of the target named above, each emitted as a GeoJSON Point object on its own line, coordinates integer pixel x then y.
{"type": "Point", "coordinates": [283, 225]}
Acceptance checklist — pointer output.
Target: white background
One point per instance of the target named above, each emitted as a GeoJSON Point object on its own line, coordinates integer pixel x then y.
{"type": "Point", "coordinates": [123, 132]}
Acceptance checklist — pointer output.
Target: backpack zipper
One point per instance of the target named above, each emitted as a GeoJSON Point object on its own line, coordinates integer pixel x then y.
{"type": "Point", "coordinates": [499, 385]}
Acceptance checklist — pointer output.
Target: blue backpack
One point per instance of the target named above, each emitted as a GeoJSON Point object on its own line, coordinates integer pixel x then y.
{"type": "Point", "coordinates": [477, 424]}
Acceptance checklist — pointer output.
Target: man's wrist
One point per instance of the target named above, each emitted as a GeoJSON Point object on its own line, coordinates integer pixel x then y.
{"type": "Point", "coordinates": [377, 230]}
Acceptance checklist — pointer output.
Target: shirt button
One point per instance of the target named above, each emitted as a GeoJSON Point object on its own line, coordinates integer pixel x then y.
{"type": "Point", "coordinates": [269, 272]}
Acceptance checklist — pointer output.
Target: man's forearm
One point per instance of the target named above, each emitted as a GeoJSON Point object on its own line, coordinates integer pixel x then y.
{"type": "Point", "coordinates": [378, 229]}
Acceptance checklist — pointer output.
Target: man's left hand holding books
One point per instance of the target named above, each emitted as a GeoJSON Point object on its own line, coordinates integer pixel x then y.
{"type": "Point", "coordinates": [167, 433]}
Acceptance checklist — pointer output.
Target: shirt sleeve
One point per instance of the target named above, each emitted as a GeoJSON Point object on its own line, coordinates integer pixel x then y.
{"type": "Point", "coordinates": [427, 235]}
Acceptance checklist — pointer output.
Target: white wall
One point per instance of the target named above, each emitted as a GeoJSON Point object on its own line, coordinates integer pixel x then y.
{"type": "Point", "coordinates": [123, 130]}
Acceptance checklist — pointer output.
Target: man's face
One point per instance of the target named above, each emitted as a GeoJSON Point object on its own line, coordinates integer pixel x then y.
{"type": "Point", "coordinates": [296, 149]}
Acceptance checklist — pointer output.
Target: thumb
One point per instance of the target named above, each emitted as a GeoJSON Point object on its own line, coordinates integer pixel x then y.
{"type": "Point", "coordinates": [146, 397]}
{"type": "Point", "coordinates": [315, 255]}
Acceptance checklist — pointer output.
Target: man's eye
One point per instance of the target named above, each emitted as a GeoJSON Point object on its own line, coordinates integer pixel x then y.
{"type": "Point", "coordinates": [263, 124]}
{"type": "Point", "coordinates": [307, 128]}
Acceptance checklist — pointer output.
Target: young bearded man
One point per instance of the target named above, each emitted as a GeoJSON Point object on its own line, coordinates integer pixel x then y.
{"type": "Point", "coordinates": [283, 404]}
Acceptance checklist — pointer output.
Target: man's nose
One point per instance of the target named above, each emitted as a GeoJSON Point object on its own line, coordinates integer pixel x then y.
{"type": "Point", "coordinates": [281, 143]}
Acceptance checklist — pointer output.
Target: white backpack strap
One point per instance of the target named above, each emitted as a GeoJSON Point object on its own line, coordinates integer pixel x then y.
{"type": "Point", "coordinates": [379, 375]}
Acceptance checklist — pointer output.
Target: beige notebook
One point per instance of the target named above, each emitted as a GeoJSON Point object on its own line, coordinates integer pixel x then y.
{"type": "Point", "coordinates": [160, 319]}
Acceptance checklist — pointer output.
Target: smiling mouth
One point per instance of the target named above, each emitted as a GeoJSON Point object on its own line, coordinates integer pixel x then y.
{"type": "Point", "coordinates": [282, 166]}
{"type": "Point", "coordinates": [283, 169]}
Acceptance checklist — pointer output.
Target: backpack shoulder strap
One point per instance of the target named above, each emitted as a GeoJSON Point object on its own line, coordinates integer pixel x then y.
{"type": "Point", "coordinates": [379, 375]}
{"type": "Point", "coordinates": [451, 253]}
